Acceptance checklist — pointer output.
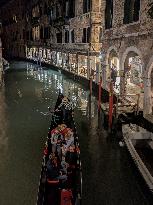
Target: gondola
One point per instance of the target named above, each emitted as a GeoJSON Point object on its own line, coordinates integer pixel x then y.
{"type": "Point", "coordinates": [139, 143]}
{"type": "Point", "coordinates": [55, 192]}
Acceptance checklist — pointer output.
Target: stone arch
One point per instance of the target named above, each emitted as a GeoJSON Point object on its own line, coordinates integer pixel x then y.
{"type": "Point", "coordinates": [149, 68]}
{"type": "Point", "coordinates": [112, 71]}
{"type": "Point", "coordinates": [148, 89]}
{"type": "Point", "coordinates": [112, 48]}
{"type": "Point", "coordinates": [125, 54]}
{"type": "Point", "coordinates": [132, 67]}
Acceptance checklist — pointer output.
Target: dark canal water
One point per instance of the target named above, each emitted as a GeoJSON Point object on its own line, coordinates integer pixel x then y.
{"type": "Point", "coordinates": [109, 177]}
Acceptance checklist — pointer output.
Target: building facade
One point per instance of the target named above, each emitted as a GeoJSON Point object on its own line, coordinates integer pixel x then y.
{"type": "Point", "coordinates": [66, 34]}
{"type": "Point", "coordinates": [13, 28]}
{"type": "Point", "coordinates": [1, 63]}
{"type": "Point", "coordinates": [127, 48]}
{"type": "Point", "coordinates": [112, 39]}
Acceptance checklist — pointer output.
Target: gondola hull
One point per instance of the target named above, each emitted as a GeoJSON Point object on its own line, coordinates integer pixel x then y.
{"type": "Point", "coordinates": [51, 192]}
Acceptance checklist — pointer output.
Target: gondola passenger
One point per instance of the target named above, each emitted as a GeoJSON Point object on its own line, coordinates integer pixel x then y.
{"type": "Point", "coordinates": [54, 170]}
{"type": "Point", "coordinates": [57, 138]}
{"type": "Point", "coordinates": [69, 141]}
{"type": "Point", "coordinates": [71, 156]}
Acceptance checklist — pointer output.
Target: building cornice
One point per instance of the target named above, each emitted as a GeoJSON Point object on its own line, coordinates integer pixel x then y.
{"type": "Point", "coordinates": [138, 34]}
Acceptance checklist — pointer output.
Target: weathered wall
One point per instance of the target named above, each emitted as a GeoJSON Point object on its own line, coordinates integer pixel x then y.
{"type": "Point", "coordinates": [136, 37]}
{"type": "Point", "coordinates": [14, 24]}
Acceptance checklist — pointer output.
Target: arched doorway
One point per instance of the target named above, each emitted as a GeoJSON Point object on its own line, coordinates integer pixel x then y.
{"type": "Point", "coordinates": [113, 72]}
{"type": "Point", "coordinates": [133, 73]}
{"type": "Point", "coordinates": [133, 85]}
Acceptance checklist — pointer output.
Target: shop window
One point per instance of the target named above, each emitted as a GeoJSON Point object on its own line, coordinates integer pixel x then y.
{"type": "Point", "coordinates": [66, 36]}
{"type": "Point", "coordinates": [59, 37]}
{"type": "Point", "coordinates": [86, 35]}
{"type": "Point", "coordinates": [109, 14]}
{"type": "Point", "coordinates": [131, 11]}
{"type": "Point", "coordinates": [72, 36]}
{"type": "Point", "coordinates": [86, 6]}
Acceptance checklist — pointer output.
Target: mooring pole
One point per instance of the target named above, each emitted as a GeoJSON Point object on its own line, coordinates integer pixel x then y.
{"type": "Point", "coordinates": [99, 94]}
{"type": "Point", "coordinates": [90, 85]}
{"type": "Point", "coordinates": [110, 105]}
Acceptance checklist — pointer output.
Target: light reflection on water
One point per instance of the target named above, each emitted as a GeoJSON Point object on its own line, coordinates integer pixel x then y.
{"type": "Point", "coordinates": [3, 125]}
{"type": "Point", "coordinates": [78, 95]}
{"type": "Point", "coordinates": [108, 176]}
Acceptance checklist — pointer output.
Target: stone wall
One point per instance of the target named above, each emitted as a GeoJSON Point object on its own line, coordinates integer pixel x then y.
{"type": "Point", "coordinates": [134, 37]}
{"type": "Point", "coordinates": [1, 65]}
{"type": "Point", "coordinates": [13, 22]}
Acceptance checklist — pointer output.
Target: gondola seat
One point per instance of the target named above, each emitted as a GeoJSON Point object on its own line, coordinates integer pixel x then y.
{"type": "Point", "coordinates": [56, 182]}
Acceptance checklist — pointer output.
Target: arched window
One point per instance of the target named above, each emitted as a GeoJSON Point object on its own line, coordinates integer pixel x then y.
{"type": "Point", "coordinates": [131, 11]}
{"type": "Point", "coordinates": [86, 6]}
{"type": "Point", "coordinates": [109, 14]}
{"type": "Point", "coordinates": [136, 10]}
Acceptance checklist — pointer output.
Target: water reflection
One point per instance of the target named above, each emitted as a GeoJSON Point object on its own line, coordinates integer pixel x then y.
{"type": "Point", "coordinates": [3, 125]}
{"type": "Point", "coordinates": [78, 96]}
{"type": "Point", "coordinates": [108, 177]}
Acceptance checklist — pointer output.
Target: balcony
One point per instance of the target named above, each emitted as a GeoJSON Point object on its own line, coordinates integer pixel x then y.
{"type": "Point", "coordinates": [82, 47]}
{"type": "Point", "coordinates": [65, 47]}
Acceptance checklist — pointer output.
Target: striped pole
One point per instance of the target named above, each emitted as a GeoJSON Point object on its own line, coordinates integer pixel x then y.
{"type": "Point", "coordinates": [99, 94]}
{"type": "Point", "coordinates": [110, 105]}
{"type": "Point", "coordinates": [91, 85]}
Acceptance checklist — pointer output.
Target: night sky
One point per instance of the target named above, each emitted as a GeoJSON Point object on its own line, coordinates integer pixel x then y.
{"type": "Point", "coordinates": [2, 2]}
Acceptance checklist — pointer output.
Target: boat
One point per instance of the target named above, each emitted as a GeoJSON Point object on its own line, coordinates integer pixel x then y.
{"type": "Point", "coordinates": [139, 143]}
{"type": "Point", "coordinates": [55, 192]}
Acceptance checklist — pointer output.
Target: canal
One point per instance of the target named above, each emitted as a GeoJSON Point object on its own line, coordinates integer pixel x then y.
{"type": "Point", "coordinates": [109, 177]}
